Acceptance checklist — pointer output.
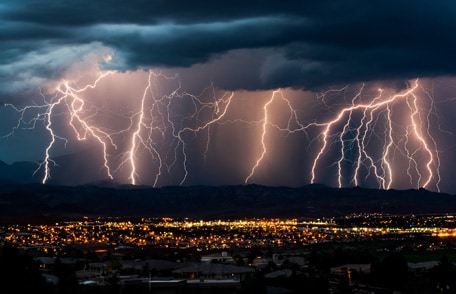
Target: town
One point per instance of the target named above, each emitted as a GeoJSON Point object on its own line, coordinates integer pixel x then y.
{"type": "Point", "coordinates": [358, 253]}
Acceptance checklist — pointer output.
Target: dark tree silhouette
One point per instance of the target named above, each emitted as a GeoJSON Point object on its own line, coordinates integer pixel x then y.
{"type": "Point", "coordinates": [20, 273]}
{"type": "Point", "coordinates": [443, 276]}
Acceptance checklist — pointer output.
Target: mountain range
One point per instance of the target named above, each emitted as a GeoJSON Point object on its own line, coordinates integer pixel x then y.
{"type": "Point", "coordinates": [32, 202]}
{"type": "Point", "coordinates": [24, 198]}
{"type": "Point", "coordinates": [66, 169]}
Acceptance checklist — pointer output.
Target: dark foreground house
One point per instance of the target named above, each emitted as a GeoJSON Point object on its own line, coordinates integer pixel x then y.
{"type": "Point", "coordinates": [218, 271]}
{"type": "Point", "coordinates": [197, 286]}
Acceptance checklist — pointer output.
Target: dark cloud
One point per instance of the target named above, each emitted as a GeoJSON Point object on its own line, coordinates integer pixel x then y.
{"type": "Point", "coordinates": [250, 45]}
{"type": "Point", "coordinates": [305, 44]}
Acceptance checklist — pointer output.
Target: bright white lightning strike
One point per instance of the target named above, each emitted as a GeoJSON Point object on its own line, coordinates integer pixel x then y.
{"type": "Point", "coordinates": [154, 130]}
{"type": "Point", "coordinates": [265, 122]}
{"type": "Point", "coordinates": [353, 129]}
{"type": "Point", "coordinates": [157, 137]}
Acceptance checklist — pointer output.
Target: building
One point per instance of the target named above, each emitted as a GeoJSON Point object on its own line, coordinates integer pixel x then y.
{"type": "Point", "coordinates": [204, 271]}
{"type": "Point", "coordinates": [221, 257]}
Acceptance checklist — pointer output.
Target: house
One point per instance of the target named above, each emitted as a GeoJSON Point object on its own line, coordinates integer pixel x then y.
{"type": "Point", "coordinates": [421, 267]}
{"type": "Point", "coordinates": [47, 264]}
{"type": "Point", "coordinates": [348, 268]}
{"type": "Point", "coordinates": [157, 267]}
{"type": "Point", "coordinates": [221, 257]}
{"type": "Point", "coordinates": [214, 271]}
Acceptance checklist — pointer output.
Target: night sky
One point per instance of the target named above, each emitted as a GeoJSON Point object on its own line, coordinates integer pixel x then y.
{"type": "Point", "coordinates": [344, 93]}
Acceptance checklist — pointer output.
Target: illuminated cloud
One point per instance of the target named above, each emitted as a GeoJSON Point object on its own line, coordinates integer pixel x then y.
{"type": "Point", "coordinates": [313, 44]}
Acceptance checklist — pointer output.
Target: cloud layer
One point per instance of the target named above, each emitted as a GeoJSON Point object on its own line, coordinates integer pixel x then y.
{"type": "Point", "coordinates": [300, 44]}
{"type": "Point", "coordinates": [248, 45]}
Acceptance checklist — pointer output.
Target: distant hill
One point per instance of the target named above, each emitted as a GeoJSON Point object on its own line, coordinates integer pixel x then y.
{"type": "Point", "coordinates": [65, 169]}
{"type": "Point", "coordinates": [19, 172]}
{"type": "Point", "coordinates": [36, 202]}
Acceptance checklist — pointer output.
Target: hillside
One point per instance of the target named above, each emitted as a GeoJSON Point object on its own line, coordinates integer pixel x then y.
{"type": "Point", "coordinates": [39, 202]}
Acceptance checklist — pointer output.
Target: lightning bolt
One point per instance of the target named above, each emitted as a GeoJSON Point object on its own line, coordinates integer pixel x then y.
{"type": "Point", "coordinates": [217, 118]}
{"type": "Point", "coordinates": [424, 144]}
{"type": "Point", "coordinates": [156, 135]}
{"type": "Point", "coordinates": [137, 139]}
{"type": "Point", "coordinates": [39, 113]}
{"type": "Point", "coordinates": [293, 125]}
{"type": "Point", "coordinates": [354, 127]}
{"type": "Point", "coordinates": [80, 123]}
{"type": "Point", "coordinates": [152, 127]}
{"type": "Point", "coordinates": [68, 98]}
{"type": "Point", "coordinates": [175, 130]}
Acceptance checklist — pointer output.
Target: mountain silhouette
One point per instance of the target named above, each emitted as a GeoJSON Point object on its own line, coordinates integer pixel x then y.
{"type": "Point", "coordinates": [29, 202]}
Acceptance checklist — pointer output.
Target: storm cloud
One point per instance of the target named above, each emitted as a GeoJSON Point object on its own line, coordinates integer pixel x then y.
{"type": "Point", "coordinates": [285, 64]}
{"type": "Point", "coordinates": [299, 44]}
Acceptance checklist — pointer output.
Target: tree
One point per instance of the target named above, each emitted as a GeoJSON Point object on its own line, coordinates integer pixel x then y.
{"type": "Point", "coordinates": [392, 272]}
{"type": "Point", "coordinates": [68, 282]}
{"type": "Point", "coordinates": [443, 276]}
{"type": "Point", "coordinates": [20, 272]}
